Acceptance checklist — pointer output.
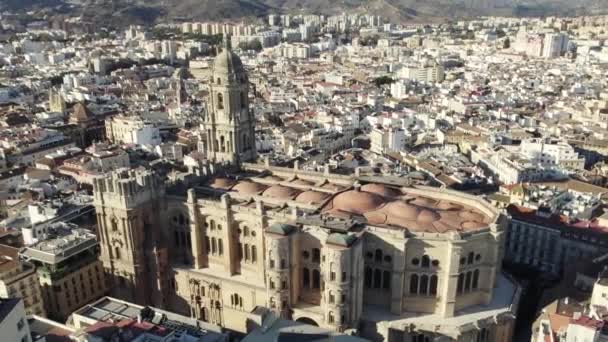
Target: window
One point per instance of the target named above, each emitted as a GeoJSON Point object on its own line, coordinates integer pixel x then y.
{"type": "Point", "coordinates": [246, 231]}
{"type": "Point", "coordinates": [331, 297]}
{"type": "Point", "coordinates": [477, 257]}
{"type": "Point", "coordinates": [117, 252]}
{"type": "Point", "coordinates": [244, 100]}
{"type": "Point", "coordinates": [316, 279]}
{"type": "Point", "coordinates": [343, 276]}
{"type": "Point", "coordinates": [305, 254]}
{"type": "Point", "coordinates": [415, 261]}
{"type": "Point", "coordinates": [378, 255]}
{"type": "Point", "coordinates": [426, 261]}
{"type": "Point", "coordinates": [207, 244]}
{"type": "Point", "coordinates": [414, 284]}
{"type": "Point", "coordinates": [460, 287]}
{"type": "Point", "coordinates": [435, 263]}
{"type": "Point", "coordinates": [271, 282]}
{"type": "Point", "coordinates": [240, 251]}
{"type": "Point", "coordinates": [388, 258]}
{"type": "Point", "coordinates": [470, 258]}
{"type": "Point", "coordinates": [316, 255]}
{"type": "Point", "coordinates": [475, 279]}
{"type": "Point", "coordinates": [377, 278]}
{"type": "Point", "coordinates": [330, 317]}
{"type": "Point", "coordinates": [219, 80]}
{"type": "Point", "coordinates": [283, 264]}
{"type": "Point", "coordinates": [284, 285]}
{"type": "Point", "coordinates": [386, 280]}
{"type": "Point", "coordinates": [424, 284]}
{"type": "Point", "coordinates": [467, 282]}
{"type": "Point", "coordinates": [271, 262]}
{"type": "Point", "coordinates": [246, 252]}
{"type": "Point", "coordinates": [332, 276]}
{"type": "Point", "coordinates": [114, 224]}
{"type": "Point", "coordinates": [254, 254]}
{"type": "Point", "coordinates": [368, 277]}
{"type": "Point", "coordinates": [433, 285]}
{"type": "Point", "coordinates": [213, 246]}
{"type": "Point", "coordinates": [20, 324]}
{"type": "Point", "coordinates": [305, 278]}
{"type": "Point", "coordinates": [220, 101]}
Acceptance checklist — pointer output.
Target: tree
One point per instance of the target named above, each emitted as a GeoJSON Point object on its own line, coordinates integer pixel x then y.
{"type": "Point", "coordinates": [382, 80]}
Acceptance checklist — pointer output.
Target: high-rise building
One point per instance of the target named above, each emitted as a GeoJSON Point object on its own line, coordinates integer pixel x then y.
{"type": "Point", "coordinates": [13, 320]}
{"type": "Point", "coordinates": [18, 279]}
{"type": "Point", "coordinates": [69, 271]}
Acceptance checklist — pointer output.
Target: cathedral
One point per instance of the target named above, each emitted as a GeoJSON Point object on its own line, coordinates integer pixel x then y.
{"type": "Point", "coordinates": [359, 254]}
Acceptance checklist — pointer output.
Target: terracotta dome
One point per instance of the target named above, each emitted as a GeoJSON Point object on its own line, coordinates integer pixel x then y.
{"type": "Point", "coordinates": [444, 205]}
{"type": "Point", "coordinates": [428, 216]}
{"type": "Point", "coordinates": [381, 189]}
{"type": "Point", "coordinates": [311, 196]}
{"type": "Point", "coordinates": [471, 216]}
{"type": "Point", "coordinates": [357, 202]}
{"type": "Point", "coordinates": [332, 186]}
{"type": "Point", "coordinates": [424, 201]}
{"type": "Point", "coordinates": [248, 188]}
{"type": "Point", "coordinates": [222, 183]}
{"type": "Point", "coordinates": [401, 210]}
{"type": "Point", "coordinates": [472, 225]}
{"type": "Point", "coordinates": [281, 192]}
{"type": "Point", "coordinates": [273, 178]}
{"type": "Point", "coordinates": [299, 181]}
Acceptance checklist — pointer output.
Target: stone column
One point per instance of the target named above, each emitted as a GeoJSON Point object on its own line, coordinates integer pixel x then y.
{"type": "Point", "coordinates": [449, 277]}
{"type": "Point", "coordinates": [195, 234]}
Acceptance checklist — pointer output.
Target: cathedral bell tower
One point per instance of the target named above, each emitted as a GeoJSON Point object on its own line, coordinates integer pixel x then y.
{"type": "Point", "coordinates": [229, 124]}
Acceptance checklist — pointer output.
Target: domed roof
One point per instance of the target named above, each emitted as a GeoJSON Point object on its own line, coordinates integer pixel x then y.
{"type": "Point", "coordinates": [445, 205]}
{"type": "Point", "coordinates": [299, 181]}
{"type": "Point", "coordinates": [281, 192]}
{"type": "Point", "coordinates": [358, 202]}
{"type": "Point", "coordinates": [402, 210]}
{"type": "Point", "coordinates": [280, 229]}
{"type": "Point", "coordinates": [227, 62]}
{"type": "Point", "coordinates": [249, 188]}
{"type": "Point", "coordinates": [428, 216]}
{"type": "Point", "coordinates": [471, 216]}
{"type": "Point", "coordinates": [222, 183]}
{"type": "Point", "coordinates": [472, 225]}
{"type": "Point", "coordinates": [381, 189]}
{"type": "Point", "coordinates": [311, 196]}
{"type": "Point", "coordinates": [339, 239]}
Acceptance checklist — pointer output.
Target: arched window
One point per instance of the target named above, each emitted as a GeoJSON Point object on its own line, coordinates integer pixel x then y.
{"type": "Point", "coordinates": [246, 252]}
{"type": "Point", "coordinates": [204, 314]}
{"type": "Point", "coordinates": [426, 261]}
{"type": "Point", "coordinates": [368, 277]}
{"type": "Point", "coordinates": [207, 245]}
{"type": "Point", "coordinates": [433, 286]}
{"type": "Point", "coordinates": [386, 280]}
{"type": "Point", "coordinates": [240, 250]}
{"type": "Point", "coordinates": [424, 284]}
{"type": "Point", "coordinates": [244, 100]}
{"type": "Point", "coordinates": [316, 279]}
{"type": "Point", "coordinates": [117, 252]}
{"type": "Point", "coordinates": [254, 254]}
{"type": "Point", "coordinates": [331, 297]}
{"type": "Point", "coordinates": [222, 144]}
{"type": "Point", "coordinates": [330, 317]}
{"type": "Point", "coordinates": [305, 278]}
{"type": "Point", "coordinates": [470, 258]}
{"type": "Point", "coordinates": [220, 101]}
{"type": "Point", "coordinates": [246, 231]}
{"type": "Point", "coordinates": [460, 283]}
{"type": "Point", "coordinates": [220, 247]}
{"type": "Point", "coordinates": [378, 255]}
{"type": "Point", "coordinates": [475, 279]}
{"type": "Point", "coordinates": [219, 81]}
{"type": "Point", "coordinates": [212, 224]}
{"type": "Point", "coordinates": [316, 255]}
{"type": "Point", "coordinates": [283, 264]}
{"type": "Point", "coordinates": [213, 246]}
{"type": "Point", "coordinates": [467, 282]}
{"type": "Point", "coordinates": [114, 224]}
{"type": "Point", "coordinates": [377, 278]}
{"type": "Point", "coordinates": [414, 284]}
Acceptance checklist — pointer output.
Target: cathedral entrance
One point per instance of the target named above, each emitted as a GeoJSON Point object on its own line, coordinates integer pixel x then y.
{"type": "Point", "coordinates": [307, 320]}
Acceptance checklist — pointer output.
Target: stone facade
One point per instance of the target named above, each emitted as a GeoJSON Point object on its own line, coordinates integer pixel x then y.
{"type": "Point", "coordinates": [393, 262]}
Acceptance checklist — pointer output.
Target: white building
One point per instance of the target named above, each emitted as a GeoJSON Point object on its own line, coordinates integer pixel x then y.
{"type": "Point", "coordinates": [555, 45]}
{"type": "Point", "coordinates": [552, 154]}
{"type": "Point", "coordinates": [132, 130]}
{"type": "Point", "coordinates": [13, 321]}
{"type": "Point", "coordinates": [385, 140]}
{"type": "Point", "coordinates": [430, 72]}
